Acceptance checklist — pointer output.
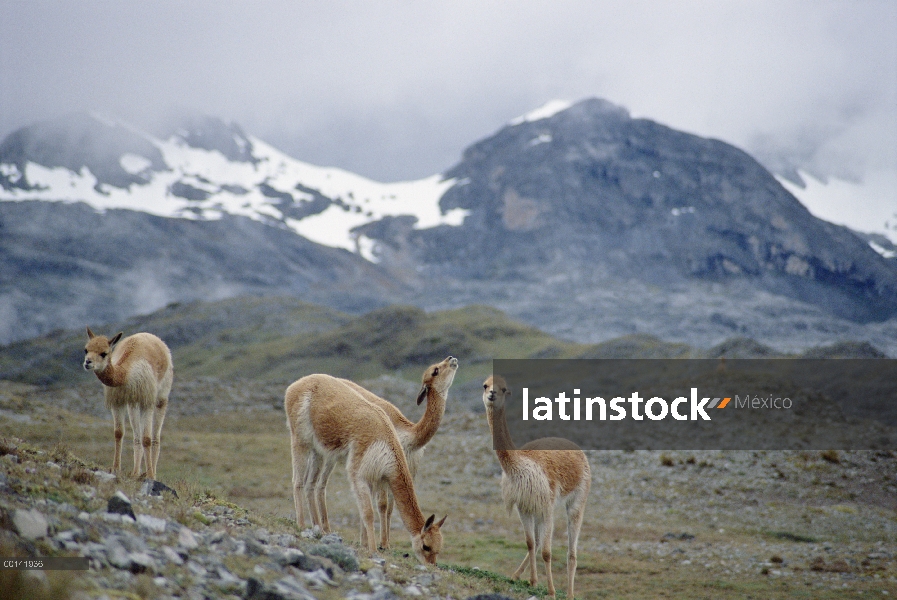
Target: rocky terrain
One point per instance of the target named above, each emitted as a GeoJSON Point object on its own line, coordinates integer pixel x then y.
{"type": "Point", "coordinates": [659, 524]}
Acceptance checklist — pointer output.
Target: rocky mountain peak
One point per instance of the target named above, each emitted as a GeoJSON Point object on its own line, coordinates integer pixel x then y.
{"type": "Point", "coordinates": [76, 141]}
{"type": "Point", "coordinates": [211, 133]}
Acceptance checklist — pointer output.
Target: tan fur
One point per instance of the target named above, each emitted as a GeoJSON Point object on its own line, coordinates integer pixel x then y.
{"type": "Point", "coordinates": [328, 421]}
{"type": "Point", "coordinates": [533, 481]}
{"type": "Point", "coordinates": [136, 373]}
{"type": "Point", "coordinates": [435, 384]}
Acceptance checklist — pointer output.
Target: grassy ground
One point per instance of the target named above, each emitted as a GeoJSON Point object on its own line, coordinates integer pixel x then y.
{"type": "Point", "coordinates": [674, 525]}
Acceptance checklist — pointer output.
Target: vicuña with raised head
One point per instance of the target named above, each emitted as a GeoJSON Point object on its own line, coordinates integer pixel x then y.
{"type": "Point", "coordinates": [533, 480]}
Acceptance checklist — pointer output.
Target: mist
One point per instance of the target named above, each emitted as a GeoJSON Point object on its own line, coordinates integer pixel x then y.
{"type": "Point", "coordinates": [396, 90]}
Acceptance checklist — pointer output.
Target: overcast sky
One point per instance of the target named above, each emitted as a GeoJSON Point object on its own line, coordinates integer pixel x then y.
{"type": "Point", "coordinates": [396, 90]}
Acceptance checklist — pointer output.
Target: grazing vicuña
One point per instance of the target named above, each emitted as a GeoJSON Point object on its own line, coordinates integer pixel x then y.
{"type": "Point", "coordinates": [328, 420]}
{"type": "Point", "coordinates": [435, 384]}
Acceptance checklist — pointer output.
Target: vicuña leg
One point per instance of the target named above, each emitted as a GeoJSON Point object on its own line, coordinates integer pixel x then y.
{"type": "Point", "coordinates": [146, 440]}
{"type": "Point", "coordinates": [575, 512]}
{"type": "Point", "coordinates": [365, 509]}
{"type": "Point", "coordinates": [529, 525]}
{"type": "Point", "coordinates": [118, 429]}
{"type": "Point", "coordinates": [315, 465]}
{"type": "Point", "coordinates": [134, 417]}
{"type": "Point", "coordinates": [385, 505]}
{"type": "Point", "coordinates": [300, 456]}
{"type": "Point", "coordinates": [544, 533]}
{"type": "Point", "coordinates": [321, 493]}
{"type": "Point", "coordinates": [158, 419]}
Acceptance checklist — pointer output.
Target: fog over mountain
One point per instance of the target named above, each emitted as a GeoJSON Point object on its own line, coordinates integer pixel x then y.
{"type": "Point", "coordinates": [577, 218]}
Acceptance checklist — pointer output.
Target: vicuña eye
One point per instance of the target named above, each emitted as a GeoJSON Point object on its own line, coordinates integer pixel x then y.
{"type": "Point", "coordinates": [485, 387]}
{"type": "Point", "coordinates": [435, 371]}
{"type": "Point", "coordinates": [85, 351]}
{"type": "Point", "coordinates": [426, 548]}
{"type": "Point", "coordinates": [102, 355]}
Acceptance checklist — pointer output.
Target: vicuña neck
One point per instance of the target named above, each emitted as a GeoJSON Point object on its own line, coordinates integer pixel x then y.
{"type": "Point", "coordinates": [424, 430]}
{"type": "Point", "coordinates": [403, 491]}
{"type": "Point", "coordinates": [112, 376]}
{"type": "Point", "coordinates": [501, 437]}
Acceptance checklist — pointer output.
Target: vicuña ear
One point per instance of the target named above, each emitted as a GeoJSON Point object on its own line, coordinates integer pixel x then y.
{"type": "Point", "coordinates": [114, 340]}
{"type": "Point", "coordinates": [440, 523]}
{"type": "Point", "coordinates": [90, 334]}
{"type": "Point", "coordinates": [424, 390]}
{"type": "Point", "coordinates": [428, 524]}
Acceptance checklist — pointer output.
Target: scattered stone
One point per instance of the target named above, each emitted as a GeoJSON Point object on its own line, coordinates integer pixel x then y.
{"type": "Point", "coordinates": [172, 556]}
{"type": "Point", "coordinates": [227, 580]}
{"type": "Point", "coordinates": [318, 579]}
{"type": "Point", "coordinates": [288, 588]}
{"type": "Point", "coordinates": [141, 562]}
{"type": "Point", "coordinates": [30, 524]}
{"type": "Point", "coordinates": [152, 487]}
{"type": "Point", "coordinates": [117, 555]}
{"type": "Point", "coordinates": [286, 557]}
{"type": "Point", "coordinates": [196, 569]}
{"type": "Point", "coordinates": [425, 579]}
{"type": "Point", "coordinates": [216, 537]}
{"type": "Point", "coordinates": [186, 539]}
{"type": "Point", "coordinates": [153, 524]}
{"type": "Point", "coordinates": [292, 589]}
{"type": "Point", "coordinates": [119, 504]}
{"type": "Point", "coordinates": [104, 477]}
{"type": "Point", "coordinates": [253, 547]}
{"type": "Point", "coordinates": [413, 590]}
{"type": "Point", "coordinates": [678, 536]}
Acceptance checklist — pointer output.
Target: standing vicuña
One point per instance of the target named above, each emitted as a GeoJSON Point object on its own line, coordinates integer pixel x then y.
{"type": "Point", "coordinates": [329, 420]}
{"type": "Point", "coordinates": [136, 374]}
{"type": "Point", "coordinates": [533, 480]}
{"type": "Point", "coordinates": [435, 384]}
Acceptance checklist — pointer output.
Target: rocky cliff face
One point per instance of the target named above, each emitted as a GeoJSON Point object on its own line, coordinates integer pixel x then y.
{"type": "Point", "coordinates": [592, 190]}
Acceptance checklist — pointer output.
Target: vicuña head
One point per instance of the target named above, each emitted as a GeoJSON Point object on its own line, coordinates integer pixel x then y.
{"type": "Point", "coordinates": [98, 351]}
{"type": "Point", "coordinates": [428, 543]}
{"type": "Point", "coordinates": [495, 392]}
{"type": "Point", "coordinates": [438, 378]}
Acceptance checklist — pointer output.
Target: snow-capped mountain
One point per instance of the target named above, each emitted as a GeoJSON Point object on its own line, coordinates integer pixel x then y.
{"type": "Point", "coordinates": [576, 218]}
{"type": "Point", "coordinates": [203, 170]}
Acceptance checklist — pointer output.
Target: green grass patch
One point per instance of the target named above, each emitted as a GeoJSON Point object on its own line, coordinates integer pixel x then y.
{"type": "Point", "coordinates": [502, 583]}
{"type": "Point", "coordinates": [791, 537]}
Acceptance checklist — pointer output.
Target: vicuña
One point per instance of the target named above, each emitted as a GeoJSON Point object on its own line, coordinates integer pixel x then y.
{"type": "Point", "coordinates": [435, 384]}
{"type": "Point", "coordinates": [533, 480]}
{"type": "Point", "coordinates": [136, 373]}
{"type": "Point", "coordinates": [329, 420]}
